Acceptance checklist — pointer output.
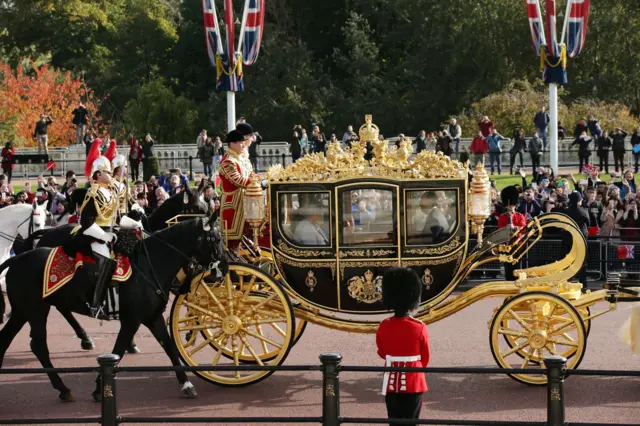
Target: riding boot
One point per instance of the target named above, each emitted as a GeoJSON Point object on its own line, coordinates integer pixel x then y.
{"type": "Point", "coordinates": [106, 267]}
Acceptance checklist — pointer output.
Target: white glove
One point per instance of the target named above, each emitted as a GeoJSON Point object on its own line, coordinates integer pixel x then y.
{"type": "Point", "coordinates": [126, 223]}
{"type": "Point", "coordinates": [96, 232]}
{"type": "Point", "coordinates": [110, 237]}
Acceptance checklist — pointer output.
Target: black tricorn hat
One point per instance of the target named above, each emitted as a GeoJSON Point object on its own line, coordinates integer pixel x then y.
{"type": "Point", "coordinates": [510, 196]}
{"type": "Point", "coordinates": [245, 129]}
{"type": "Point", "coordinates": [401, 290]}
{"type": "Point", "coordinates": [235, 136]}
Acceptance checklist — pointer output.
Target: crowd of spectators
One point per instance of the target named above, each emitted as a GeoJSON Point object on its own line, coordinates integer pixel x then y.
{"type": "Point", "coordinates": [599, 207]}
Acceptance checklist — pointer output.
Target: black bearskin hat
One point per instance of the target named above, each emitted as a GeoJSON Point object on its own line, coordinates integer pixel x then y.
{"type": "Point", "coordinates": [510, 196]}
{"type": "Point", "coordinates": [401, 290]}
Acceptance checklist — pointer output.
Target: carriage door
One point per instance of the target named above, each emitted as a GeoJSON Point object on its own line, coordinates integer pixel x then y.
{"type": "Point", "coordinates": [367, 224]}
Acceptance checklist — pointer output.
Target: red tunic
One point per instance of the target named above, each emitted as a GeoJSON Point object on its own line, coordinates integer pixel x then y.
{"type": "Point", "coordinates": [517, 219]}
{"type": "Point", "coordinates": [235, 172]}
{"type": "Point", "coordinates": [403, 342]}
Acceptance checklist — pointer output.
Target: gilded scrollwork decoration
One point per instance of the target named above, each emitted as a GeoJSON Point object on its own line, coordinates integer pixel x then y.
{"type": "Point", "coordinates": [306, 265]}
{"type": "Point", "coordinates": [367, 289]}
{"type": "Point", "coordinates": [431, 251]}
{"type": "Point", "coordinates": [282, 246]}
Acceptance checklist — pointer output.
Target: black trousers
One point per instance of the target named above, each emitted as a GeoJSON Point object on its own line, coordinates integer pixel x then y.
{"type": "Point", "coordinates": [604, 162]}
{"type": "Point", "coordinates": [535, 162]}
{"type": "Point", "coordinates": [618, 158]}
{"type": "Point", "coordinates": [8, 171]}
{"type": "Point", "coordinates": [583, 159]}
{"type": "Point", "coordinates": [636, 158]}
{"type": "Point", "coordinates": [403, 406]}
{"type": "Point", "coordinates": [512, 160]}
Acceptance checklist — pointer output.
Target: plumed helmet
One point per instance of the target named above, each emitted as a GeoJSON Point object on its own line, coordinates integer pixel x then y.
{"type": "Point", "coordinates": [119, 161]}
{"type": "Point", "coordinates": [102, 164]}
{"type": "Point", "coordinates": [510, 196]}
{"type": "Point", "coordinates": [401, 290]}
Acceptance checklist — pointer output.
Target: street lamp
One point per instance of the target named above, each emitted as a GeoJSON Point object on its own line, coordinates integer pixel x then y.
{"type": "Point", "coordinates": [254, 208]}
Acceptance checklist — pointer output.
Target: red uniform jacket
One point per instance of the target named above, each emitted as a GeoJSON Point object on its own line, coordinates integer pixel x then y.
{"type": "Point", "coordinates": [517, 219]}
{"type": "Point", "coordinates": [6, 158]}
{"type": "Point", "coordinates": [403, 342]}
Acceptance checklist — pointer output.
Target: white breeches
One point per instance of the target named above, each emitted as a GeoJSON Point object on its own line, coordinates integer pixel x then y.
{"type": "Point", "coordinates": [101, 249]}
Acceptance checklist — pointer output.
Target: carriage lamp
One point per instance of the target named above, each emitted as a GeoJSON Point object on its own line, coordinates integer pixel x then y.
{"type": "Point", "coordinates": [479, 201]}
{"type": "Point", "coordinates": [254, 208]}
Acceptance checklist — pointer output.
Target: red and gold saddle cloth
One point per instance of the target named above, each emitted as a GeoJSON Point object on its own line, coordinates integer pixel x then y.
{"type": "Point", "coordinates": [61, 268]}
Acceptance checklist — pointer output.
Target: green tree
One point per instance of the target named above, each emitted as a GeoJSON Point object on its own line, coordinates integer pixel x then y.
{"type": "Point", "coordinates": [158, 111]}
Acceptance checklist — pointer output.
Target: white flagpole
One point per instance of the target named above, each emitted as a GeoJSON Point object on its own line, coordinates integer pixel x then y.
{"type": "Point", "coordinates": [543, 40]}
{"type": "Point", "coordinates": [245, 14]}
{"type": "Point", "coordinates": [566, 22]}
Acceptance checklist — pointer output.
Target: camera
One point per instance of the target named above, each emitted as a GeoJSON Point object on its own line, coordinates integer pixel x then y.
{"type": "Point", "coordinates": [74, 180]}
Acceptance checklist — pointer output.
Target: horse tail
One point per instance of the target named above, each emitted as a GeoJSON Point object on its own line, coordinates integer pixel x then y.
{"type": "Point", "coordinates": [7, 263]}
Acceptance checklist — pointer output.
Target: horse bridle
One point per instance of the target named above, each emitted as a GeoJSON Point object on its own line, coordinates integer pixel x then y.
{"type": "Point", "coordinates": [8, 237]}
{"type": "Point", "coordinates": [193, 266]}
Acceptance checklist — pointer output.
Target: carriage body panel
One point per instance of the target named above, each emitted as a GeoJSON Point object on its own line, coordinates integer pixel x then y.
{"type": "Point", "coordinates": [332, 241]}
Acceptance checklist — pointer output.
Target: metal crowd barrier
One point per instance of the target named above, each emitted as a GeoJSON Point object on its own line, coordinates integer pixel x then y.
{"type": "Point", "coordinates": [331, 414]}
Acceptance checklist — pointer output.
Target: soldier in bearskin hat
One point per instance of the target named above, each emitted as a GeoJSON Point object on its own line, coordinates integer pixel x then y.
{"type": "Point", "coordinates": [403, 341]}
{"type": "Point", "coordinates": [510, 198]}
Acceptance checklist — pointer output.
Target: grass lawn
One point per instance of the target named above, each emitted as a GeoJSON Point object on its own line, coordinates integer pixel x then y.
{"type": "Point", "coordinates": [506, 180]}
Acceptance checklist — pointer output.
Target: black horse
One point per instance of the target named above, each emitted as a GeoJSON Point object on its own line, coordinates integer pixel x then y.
{"type": "Point", "coordinates": [155, 262]}
{"type": "Point", "coordinates": [187, 202]}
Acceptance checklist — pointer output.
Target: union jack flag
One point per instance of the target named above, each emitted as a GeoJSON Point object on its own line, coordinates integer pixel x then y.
{"type": "Point", "coordinates": [535, 25]}
{"type": "Point", "coordinates": [553, 48]}
{"type": "Point", "coordinates": [235, 81]}
{"type": "Point", "coordinates": [626, 252]}
{"type": "Point", "coordinates": [214, 45]}
{"type": "Point", "coordinates": [253, 31]}
{"type": "Point", "coordinates": [577, 26]}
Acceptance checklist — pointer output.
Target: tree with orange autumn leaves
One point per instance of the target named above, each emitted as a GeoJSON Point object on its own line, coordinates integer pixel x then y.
{"type": "Point", "coordinates": [24, 95]}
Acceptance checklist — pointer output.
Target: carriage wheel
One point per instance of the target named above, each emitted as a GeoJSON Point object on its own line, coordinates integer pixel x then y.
{"type": "Point", "coordinates": [524, 353]}
{"type": "Point", "coordinates": [538, 324]}
{"type": "Point", "coordinates": [246, 312]}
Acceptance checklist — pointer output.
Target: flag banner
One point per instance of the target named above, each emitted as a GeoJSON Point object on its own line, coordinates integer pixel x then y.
{"type": "Point", "coordinates": [535, 25]}
{"type": "Point", "coordinates": [577, 26]}
{"type": "Point", "coordinates": [228, 71]}
{"type": "Point", "coordinates": [626, 252]}
{"type": "Point", "coordinates": [51, 165]}
{"type": "Point", "coordinates": [253, 32]}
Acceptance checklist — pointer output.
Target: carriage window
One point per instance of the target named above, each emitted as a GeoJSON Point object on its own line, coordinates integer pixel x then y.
{"type": "Point", "coordinates": [367, 216]}
{"type": "Point", "coordinates": [305, 218]}
{"type": "Point", "coordinates": [432, 216]}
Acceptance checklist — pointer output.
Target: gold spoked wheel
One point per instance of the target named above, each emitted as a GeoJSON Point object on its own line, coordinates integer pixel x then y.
{"type": "Point", "coordinates": [245, 315]}
{"type": "Point", "coordinates": [524, 353]}
{"type": "Point", "coordinates": [538, 324]}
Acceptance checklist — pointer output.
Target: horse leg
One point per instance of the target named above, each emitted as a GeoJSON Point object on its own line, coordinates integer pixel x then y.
{"type": "Point", "coordinates": [85, 341]}
{"type": "Point", "coordinates": [9, 332]}
{"type": "Point", "coordinates": [159, 331]}
{"type": "Point", "coordinates": [3, 306]}
{"type": "Point", "coordinates": [133, 348]}
{"type": "Point", "coordinates": [128, 329]}
{"type": "Point", "coordinates": [39, 347]}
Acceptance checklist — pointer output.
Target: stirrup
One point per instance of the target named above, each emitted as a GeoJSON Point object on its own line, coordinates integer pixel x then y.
{"type": "Point", "coordinates": [95, 312]}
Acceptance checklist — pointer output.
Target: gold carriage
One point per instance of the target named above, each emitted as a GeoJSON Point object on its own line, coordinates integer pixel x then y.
{"type": "Point", "coordinates": [337, 222]}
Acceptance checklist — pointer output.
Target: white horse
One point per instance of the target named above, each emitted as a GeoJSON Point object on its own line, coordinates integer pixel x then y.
{"type": "Point", "coordinates": [18, 219]}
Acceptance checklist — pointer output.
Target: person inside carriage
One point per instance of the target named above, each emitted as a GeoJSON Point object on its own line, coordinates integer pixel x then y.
{"type": "Point", "coordinates": [308, 229]}
{"type": "Point", "coordinates": [436, 227]}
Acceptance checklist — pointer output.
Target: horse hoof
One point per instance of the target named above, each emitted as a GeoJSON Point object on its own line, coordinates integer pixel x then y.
{"type": "Point", "coordinates": [67, 396]}
{"type": "Point", "coordinates": [189, 390]}
{"type": "Point", "coordinates": [97, 396]}
{"type": "Point", "coordinates": [133, 349]}
{"type": "Point", "coordinates": [87, 344]}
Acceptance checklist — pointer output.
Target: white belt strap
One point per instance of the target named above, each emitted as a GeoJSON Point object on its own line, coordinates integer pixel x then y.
{"type": "Point", "coordinates": [387, 375]}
